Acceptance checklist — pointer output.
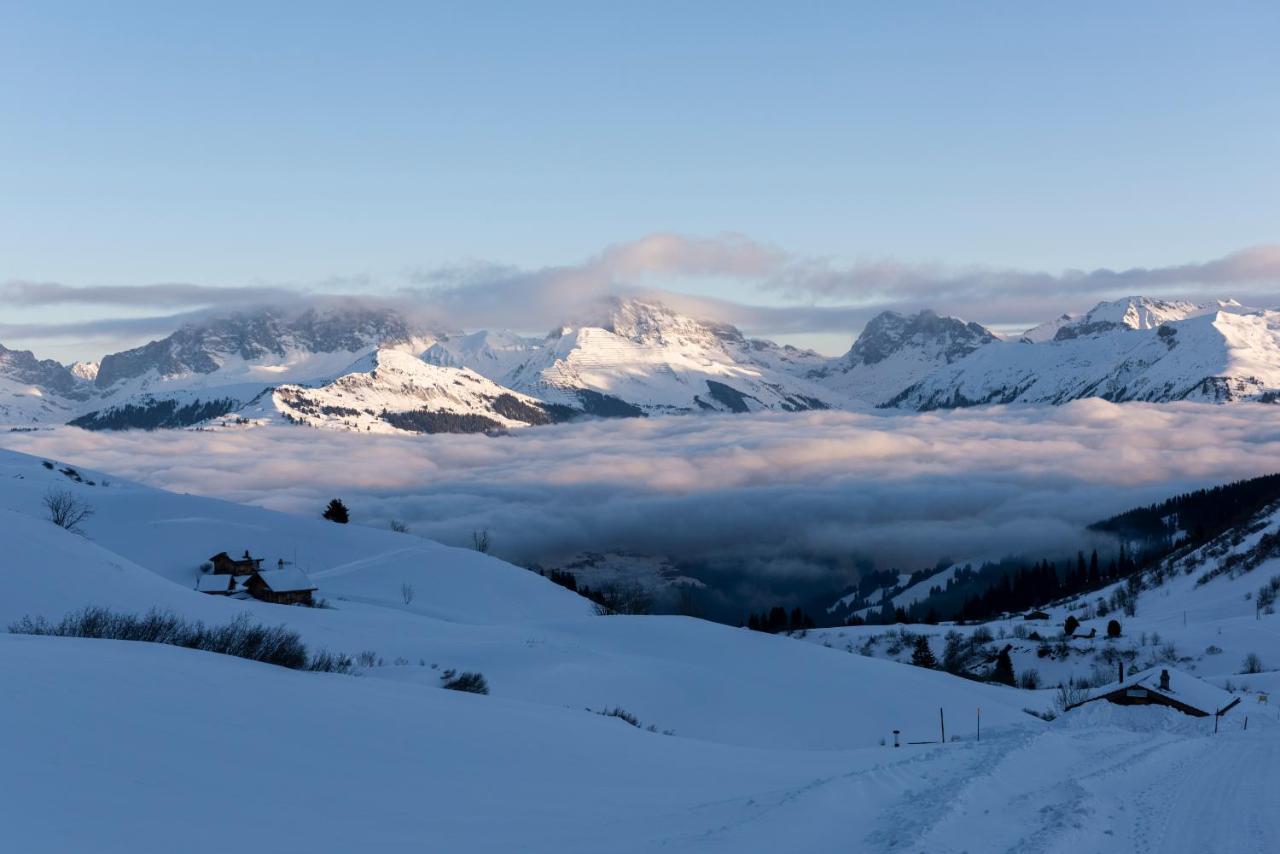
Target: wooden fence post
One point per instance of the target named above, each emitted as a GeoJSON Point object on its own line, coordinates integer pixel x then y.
{"type": "Point", "coordinates": [943, 723]}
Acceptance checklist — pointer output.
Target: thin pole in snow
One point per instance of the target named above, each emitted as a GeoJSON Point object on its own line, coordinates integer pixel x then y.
{"type": "Point", "coordinates": [979, 723]}
{"type": "Point", "coordinates": [1246, 723]}
{"type": "Point", "coordinates": [943, 723]}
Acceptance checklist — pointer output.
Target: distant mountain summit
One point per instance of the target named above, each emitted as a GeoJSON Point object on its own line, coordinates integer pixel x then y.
{"type": "Point", "coordinates": [1128, 313]}
{"type": "Point", "coordinates": [1134, 349]}
{"type": "Point", "coordinates": [638, 357]}
{"type": "Point", "coordinates": [896, 350]}
{"type": "Point", "coordinates": [269, 338]}
{"type": "Point", "coordinates": [34, 390]}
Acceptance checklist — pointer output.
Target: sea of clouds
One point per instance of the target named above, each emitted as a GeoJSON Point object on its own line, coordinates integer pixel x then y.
{"type": "Point", "coordinates": [762, 503]}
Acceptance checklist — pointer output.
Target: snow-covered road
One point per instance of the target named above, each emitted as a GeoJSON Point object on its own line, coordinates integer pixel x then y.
{"type": "Point", "coordinates": [1165, 785]}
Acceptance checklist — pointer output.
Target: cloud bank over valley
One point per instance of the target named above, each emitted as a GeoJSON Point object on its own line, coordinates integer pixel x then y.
{"type": "Point", "coordinates": [756, 505]}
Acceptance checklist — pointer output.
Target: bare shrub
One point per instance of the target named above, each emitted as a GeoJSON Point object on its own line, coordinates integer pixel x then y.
{"type": "Point", "coordinates": [472, 683]}
{"type": "Point", "coordinates": [407, 593]}
{"type": "Point", "coordinates": [241, 637]}
{"type": "Point", "coordinates": [480, 540]}
{"type": "Point", "coordinates": [66, 509]}
{"type": "Point", "coordinates": [1069, 694]}
{"type": "Point", "coordinates": [398, 526]}
{"type": "Point", "coordinates": [1252, 663]}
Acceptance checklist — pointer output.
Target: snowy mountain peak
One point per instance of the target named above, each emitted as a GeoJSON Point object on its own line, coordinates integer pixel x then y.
{"type": "Point", "coordinates": [948, 338]}
{"type": "Point", "coordinates": [268, 334]}
{"type": "Point", "coordinates": [21, 367]}
{"type": "Point", "coordinates": [1129, 313]}
{"type": "Point", "coordinates": [896, 350]}
{"type": "Point", "coordinates": [85, 371]}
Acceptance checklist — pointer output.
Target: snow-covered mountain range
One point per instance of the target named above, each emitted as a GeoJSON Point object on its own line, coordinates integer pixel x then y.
{"type": "Point", "coordinates": [350, 366]}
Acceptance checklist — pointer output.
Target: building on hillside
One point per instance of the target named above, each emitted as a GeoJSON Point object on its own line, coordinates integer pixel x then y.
{"type": "Point", "coordinates": [224, 564]}
{"type": "Point", "coordinates": [286, 585]}
{"type": "Point", "coordinates": [1166, 687]}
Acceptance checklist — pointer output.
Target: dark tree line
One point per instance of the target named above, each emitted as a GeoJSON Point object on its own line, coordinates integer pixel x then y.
{"type": "Point", "coordinates": [778, 619]}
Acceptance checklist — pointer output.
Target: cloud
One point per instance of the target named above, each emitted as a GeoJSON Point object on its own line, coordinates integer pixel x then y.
{"type": "Point", "coordinates": [169, 295]}
{"type": "Point", "coordinates": [489, 295]}
{"type": "Point", "coordinates": [760, 504]}
{"type": "Point", "coordinates": [818, 295]}
{"type": "Point", "coordinates": [995, 295]}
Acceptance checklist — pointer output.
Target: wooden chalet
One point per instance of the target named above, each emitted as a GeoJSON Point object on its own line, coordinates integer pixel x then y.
{"type": "Point", "coordinates": [224, 564]}
{"type": "Point", "coordinates": [1166, 687]}
{"type": "Point", "coordinates": [286, 585]}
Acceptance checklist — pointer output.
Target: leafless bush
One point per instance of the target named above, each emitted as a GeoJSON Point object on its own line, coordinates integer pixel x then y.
{"type": "Point", "coordinates": [468, 681]}
{"type": "Point", "coordinates": [66, 509]}
{"type": "Point", "coordinates": [1069, 694]}
{"type": "Point", "coordinates": [407, 593]}
{"type": "Point", "coordinates": [480, 540]}
{"type": "Point", "coordinates": [398, 526]}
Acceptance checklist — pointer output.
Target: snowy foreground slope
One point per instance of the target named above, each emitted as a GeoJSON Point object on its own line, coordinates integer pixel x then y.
{"type": "Point", "coordinates": [776, 744]}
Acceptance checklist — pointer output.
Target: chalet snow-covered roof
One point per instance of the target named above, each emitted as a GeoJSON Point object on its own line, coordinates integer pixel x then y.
{"type": "Point", "coordinates": [287, 579]}
{"type": "Point", "coordinates": [1183, 687]}
{"type": "Point", "coordinates": [215, 583]}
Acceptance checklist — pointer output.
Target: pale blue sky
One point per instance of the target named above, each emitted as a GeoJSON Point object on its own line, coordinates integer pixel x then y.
{"type": "Point", "coordinates": [237, 143]}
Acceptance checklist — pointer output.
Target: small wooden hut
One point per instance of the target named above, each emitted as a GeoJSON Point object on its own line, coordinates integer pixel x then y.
{"type": "Point", "coordinates": [1166, 687]}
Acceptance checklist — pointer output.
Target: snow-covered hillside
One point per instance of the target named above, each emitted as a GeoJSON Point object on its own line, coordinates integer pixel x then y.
{"type": "Point", "coordinates": [770, 743]}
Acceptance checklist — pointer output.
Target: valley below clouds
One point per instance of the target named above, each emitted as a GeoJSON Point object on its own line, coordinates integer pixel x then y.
{"type": "Point", "coordinates": [757, 504]}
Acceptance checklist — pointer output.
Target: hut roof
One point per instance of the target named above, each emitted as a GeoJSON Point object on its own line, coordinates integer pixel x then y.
{"type": "Point", "coordinates": [1183, 687]}
{"type": "Point", "coordinates": [215, 583]}
{"type": "Point", "coordinates": [289, 579]}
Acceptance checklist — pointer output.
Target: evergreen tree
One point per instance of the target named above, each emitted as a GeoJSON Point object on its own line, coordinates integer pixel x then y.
{"type": "Point", "coordinates": [922, 656]}
{"type": "Point", "coordinates": [1071, 625]}
{"type": "Point", "coordinates": [1113, 629]}
{"type": "Point", "coordinates": [336, 512]}
{"type": "Point", "coordinates": [1003, 672]}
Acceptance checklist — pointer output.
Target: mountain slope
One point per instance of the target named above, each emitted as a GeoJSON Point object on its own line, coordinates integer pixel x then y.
{"type": "Point", "coordinates": [658, 361]}
{"type": "Point", "coordinates": [1216, 357]}
{"type": "Point", "coordinates": [393, 392]}
{"type": "Point", "coordinates": [268, 344]}
{"type": "Point", "coordinates": [36, 390]}
{"type": "Point", "coordinates": [1129, 313]}
{"type": "Point", "coordinates": [895, 350]}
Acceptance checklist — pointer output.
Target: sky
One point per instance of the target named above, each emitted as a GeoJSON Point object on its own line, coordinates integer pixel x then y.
{"type": "Point", "coordinates": [368, 148]}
